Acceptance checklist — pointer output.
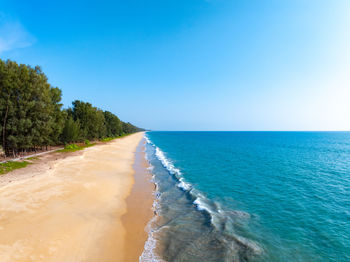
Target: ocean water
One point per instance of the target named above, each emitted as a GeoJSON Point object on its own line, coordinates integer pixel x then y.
{"type": "Point", "coordinates": [249, 196]}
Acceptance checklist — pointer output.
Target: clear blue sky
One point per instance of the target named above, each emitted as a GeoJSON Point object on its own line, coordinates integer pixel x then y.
{"type": "Point", "coordinates": [192, 64]}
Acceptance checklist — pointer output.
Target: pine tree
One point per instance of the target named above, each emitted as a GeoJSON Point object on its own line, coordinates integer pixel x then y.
{"type": "Point", "coordinates": [31, 114]}
{"type": "Point", "coordinates": [71, 131]}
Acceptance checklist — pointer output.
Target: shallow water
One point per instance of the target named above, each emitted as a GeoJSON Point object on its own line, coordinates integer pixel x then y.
{"type": "Point", "coordinates": [251, 196]}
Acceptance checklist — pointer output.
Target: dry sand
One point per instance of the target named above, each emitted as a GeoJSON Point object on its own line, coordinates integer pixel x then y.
{"type": "Point", "coordinates": [69, 209]}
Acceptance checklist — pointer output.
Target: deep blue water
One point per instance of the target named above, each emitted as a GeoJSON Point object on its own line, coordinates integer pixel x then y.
{"type": "Point", "coordinates": [252, 196]}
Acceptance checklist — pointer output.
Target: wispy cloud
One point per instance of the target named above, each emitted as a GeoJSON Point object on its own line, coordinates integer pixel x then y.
{"type": "Point", "coordinates": [13, 35]}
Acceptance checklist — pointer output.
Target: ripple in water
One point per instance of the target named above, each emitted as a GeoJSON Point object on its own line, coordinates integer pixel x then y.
{"type": "Point", "coordinates": [250, 196]}
{"type": "Point", "coordinates": [189, 226]}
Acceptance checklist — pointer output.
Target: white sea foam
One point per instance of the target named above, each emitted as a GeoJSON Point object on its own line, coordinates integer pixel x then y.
{"type": "Point", "coordinates": [218, 216]}
{"type": "Point", "coordinates": [148, 254]}
{"type": "Point", "coordinates": [200, 200]}
{"type": "Point", "coordinates": [172, 170]}
{"type": "Point", "coordinates": [166, 163]}
{"type": "Point", "coordinates": [184, 185]}
{"type": "Point", "coordinates": [201, 205]}
{"type": "Point", "coordinates": [147, 139]}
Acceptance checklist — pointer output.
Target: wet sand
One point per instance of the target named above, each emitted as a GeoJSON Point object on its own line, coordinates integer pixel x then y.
{"type": "Point", "coordinates": [139, 208]}
{"type": "Point", "coordinates": [69, 209]}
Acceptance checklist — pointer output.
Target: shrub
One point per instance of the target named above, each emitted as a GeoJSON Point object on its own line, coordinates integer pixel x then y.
{"type": "Point", "coordinates": [71, 147]}
{"type": "Point", "coordinates": [9, 166]}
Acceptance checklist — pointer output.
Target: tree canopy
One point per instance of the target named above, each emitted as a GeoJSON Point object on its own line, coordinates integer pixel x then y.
{"type": "Point", "coordinates": [31, 113]}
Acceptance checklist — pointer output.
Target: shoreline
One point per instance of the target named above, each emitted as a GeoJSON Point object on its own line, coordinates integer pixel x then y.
{"type": "Point", "coordinates": [139, 207]}
{"type": "Point", "coordinates": [69, 207]}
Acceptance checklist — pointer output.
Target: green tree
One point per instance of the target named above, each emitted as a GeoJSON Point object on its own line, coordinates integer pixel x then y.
{"type": "Point", "coordinates": [30, 111]}
{"type": "Point", "coordinates": [92, 121]}
{"type": "Point", "coordinates": [31, 114]}
{"type": "Point", "coordinates": [113, 125]}
{"type": "Point", "coordinates": [7, 100]}
{"type": "Point", "coordinates": [71, 131]}
{"type": "Point", "coordinates": [58, 116]}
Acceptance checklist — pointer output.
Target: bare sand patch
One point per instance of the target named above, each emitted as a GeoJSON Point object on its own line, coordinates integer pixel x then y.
{"type": "Point", "coordinates": [69, 209]}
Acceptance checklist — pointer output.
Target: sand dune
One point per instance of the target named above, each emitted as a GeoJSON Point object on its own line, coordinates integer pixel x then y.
{"type": "Point", "coordinates": [72, 211]}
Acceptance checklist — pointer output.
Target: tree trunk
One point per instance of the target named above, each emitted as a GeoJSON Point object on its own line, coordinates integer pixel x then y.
{"type": "Point", "coordinates": [4, 127]}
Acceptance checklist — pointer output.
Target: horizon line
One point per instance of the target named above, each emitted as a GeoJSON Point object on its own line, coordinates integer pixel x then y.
{"type": "Point", "coordinates": [246, 130]}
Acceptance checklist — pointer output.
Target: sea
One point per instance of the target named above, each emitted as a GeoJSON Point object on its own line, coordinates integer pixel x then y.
{"type": "Point", "coordinates": [249, 196]}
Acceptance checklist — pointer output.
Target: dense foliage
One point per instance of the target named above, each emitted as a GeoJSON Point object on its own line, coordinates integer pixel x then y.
{"type": "Point", "coordinates": [32, 117]}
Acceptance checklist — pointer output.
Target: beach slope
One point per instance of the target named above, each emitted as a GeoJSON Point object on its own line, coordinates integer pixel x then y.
{"type": "Point", "coordinates": [72, 210]}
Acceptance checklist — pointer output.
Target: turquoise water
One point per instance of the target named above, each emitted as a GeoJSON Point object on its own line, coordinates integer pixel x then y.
{"type": "Point", "coordinates": [251, 196]}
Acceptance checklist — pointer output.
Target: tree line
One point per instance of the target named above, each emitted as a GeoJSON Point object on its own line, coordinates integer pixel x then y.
{"type": "Point", "coordinates": [32, 116]}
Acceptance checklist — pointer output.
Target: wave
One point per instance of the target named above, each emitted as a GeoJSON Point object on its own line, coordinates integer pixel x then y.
{"type": "Point", "coordinates": [148, 253]}
{"type": "Point", "coordinates": [221, 219]}
{"type": "Point", "coordinates": [147, 139]}
{"type": "Point", "coordinates": [172, 170]}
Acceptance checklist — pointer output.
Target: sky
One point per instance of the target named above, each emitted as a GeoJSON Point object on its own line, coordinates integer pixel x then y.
{"type": "Point", "coordinates": [192, 64]}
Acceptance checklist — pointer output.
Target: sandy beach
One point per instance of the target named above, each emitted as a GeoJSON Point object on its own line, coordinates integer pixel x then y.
{"type": "Point", "coordinates": [71, 208]}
